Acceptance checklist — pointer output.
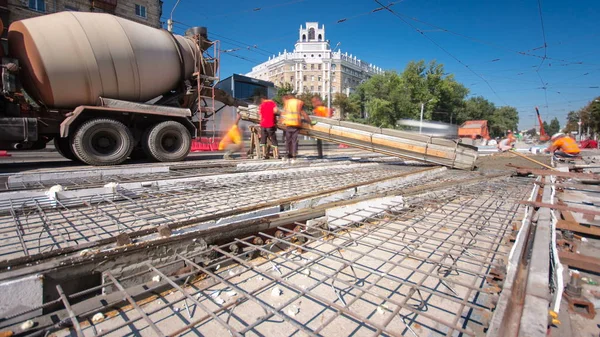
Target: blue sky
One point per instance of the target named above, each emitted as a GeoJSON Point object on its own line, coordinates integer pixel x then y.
{"type": "Point", "coordinates": [490, 37]}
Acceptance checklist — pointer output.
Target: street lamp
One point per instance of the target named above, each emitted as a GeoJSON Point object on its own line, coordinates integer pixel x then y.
{"type": "Point", "coordinates": [330, 74]}
{"type": "Point", "coordinates": [422, 108]}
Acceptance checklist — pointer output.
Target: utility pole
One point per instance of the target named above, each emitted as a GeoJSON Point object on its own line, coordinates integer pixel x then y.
{"type": "Point", "coordinates": [579, 129]}
{"type": "Point", "coordinates": [422, 108]}
{"type": "Point", "coordinates": [421, 123]}
{"type": "Point", "coordinates": [329, 98]}
{"type": "Point", "coordinates": [170, 20]}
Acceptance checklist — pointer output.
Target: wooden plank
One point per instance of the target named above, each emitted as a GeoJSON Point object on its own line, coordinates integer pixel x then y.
{"type": "Point", "coordinates": [540, 172]}
{"type": "Point", "coordinates": [561, 207]}
{"type": "Point", "coordinates": [580, 261]}
{"type": "Point", "coordinates": [388, 142]}
{"type": "Point", "coordinates": [575, 226]}
{"type": "Point", "coordinates": [572, 186]}
{"type": "Point", "coordinates": [567, 215]}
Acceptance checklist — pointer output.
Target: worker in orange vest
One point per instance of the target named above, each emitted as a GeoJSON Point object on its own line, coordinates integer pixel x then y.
{"type": "Point", "coordinates": [319, 109]}
{"type": "Point", "coordinates": [232, 142]}
{"type": "Point", "coordinates": [292, 117]}
{"type": "Point", "coordinates": [563, 146]}
{"type": "Point", "coordinates": [507, 143]}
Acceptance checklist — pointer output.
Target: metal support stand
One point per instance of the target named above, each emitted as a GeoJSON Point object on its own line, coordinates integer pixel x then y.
{"type": "Point", "coordinates": [319, 149]}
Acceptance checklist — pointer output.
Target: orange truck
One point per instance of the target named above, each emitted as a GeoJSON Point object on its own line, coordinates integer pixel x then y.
{"type": "Point", "coordinates": [472, 129]}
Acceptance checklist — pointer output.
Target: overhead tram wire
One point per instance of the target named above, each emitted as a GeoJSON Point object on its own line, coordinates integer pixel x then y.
{"type": "Point", "coordinates": [257, 49]}
{"type": "Point", "coordinates": [228, 52]}
{"type": "Point", "coordinates": [544, 85]}
{"type": "Point", "coordinates": [441, 48]}
{"type": "Point", "coordinates": [491, 44]}
{"type": "Point", "coordinates": [233, 41]}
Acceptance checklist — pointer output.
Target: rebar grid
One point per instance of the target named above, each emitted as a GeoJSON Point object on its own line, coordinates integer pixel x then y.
{"type": "Point", "coordinates": [35, 226]}
{"type": "Point", "coordinates": [174, 172]}
{"type": "Point", "coordinates": [380, 275]}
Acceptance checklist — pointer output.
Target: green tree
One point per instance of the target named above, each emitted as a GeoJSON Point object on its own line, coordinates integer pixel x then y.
{"type": "Point", "coordinates": [503, 119]}
{"type": "Point", "coordinates": [386, 98]}
{"type": "Point", "coordinates": [546, 128]}
{"type": "Point", "coordinates": [381, 113]}
{"type": "Point", "coordinates": [285, 89]}
{"type": "Point", "coordinates": [306, 97]}
{"type": "Point", "coordinates": [593, 109]}
{"type": "Point", "coordinates": [475, 108]}
{"type": "Point", "coordinates": [553, 127]}
{"type": "Point", "coordinates": [531, 132]}
{"type": "Point", "coordinates": [572, 119]}
{"type": "Point", "coordinates": [345, 105]}
{"type": "Point", "coordinates": [589, 116]}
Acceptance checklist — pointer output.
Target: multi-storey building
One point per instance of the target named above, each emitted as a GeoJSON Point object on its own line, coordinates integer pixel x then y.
{"type": "Point", "coordinates": [147, 12]}
{"type": "Point", "coordinates": [307, 67]}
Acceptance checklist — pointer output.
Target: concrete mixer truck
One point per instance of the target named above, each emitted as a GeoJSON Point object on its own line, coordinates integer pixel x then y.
{"type": "Point", "coordinates": [104, 88]}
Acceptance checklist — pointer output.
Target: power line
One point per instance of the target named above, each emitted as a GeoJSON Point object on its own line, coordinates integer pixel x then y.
{"type": "Point", "coordinates": [543, 29]}
{"type": "Point", "coordinates": [441, 48]}
{"type": "Point", "coordinates": [254, 9]}
{"type": "Point", "coordinates": [491, 44]}
{"type": "Point", "coordinates": [544, 85]}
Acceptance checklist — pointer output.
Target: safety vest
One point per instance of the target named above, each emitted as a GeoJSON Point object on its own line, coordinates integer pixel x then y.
{"type": "Point", "coordinates": [322, 111]}
{"type": "Point", "coordinates": [567, 145]}
{"type": "Point", "coordinates": [233, 136]}
{"type": "Point", "coordinates": [291, 112]}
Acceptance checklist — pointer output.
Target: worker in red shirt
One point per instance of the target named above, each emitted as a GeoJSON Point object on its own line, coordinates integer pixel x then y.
{"type": "Point", "coordinates": [268, 126]}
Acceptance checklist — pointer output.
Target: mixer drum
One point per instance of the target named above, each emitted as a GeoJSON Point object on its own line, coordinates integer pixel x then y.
{"type": "Point", "coordinates": [72, 58]}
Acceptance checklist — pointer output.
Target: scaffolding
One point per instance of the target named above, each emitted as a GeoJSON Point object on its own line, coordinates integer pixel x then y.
{"type": "Point", "coordinates": [208, 77]}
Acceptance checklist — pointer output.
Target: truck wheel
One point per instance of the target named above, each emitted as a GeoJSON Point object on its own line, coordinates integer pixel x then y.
{"type": "Point", "coordinates": [168, 141]}
{"type": "Point", "coordinates": [63, 146]}
{"type": "Point", "coordinates": [102, 142]}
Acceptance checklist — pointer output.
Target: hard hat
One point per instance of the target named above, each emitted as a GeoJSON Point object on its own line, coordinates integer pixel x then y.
{"type": "Point", "coordinates": [557, 135]}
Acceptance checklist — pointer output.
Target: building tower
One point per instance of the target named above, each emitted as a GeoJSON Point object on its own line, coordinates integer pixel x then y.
{"type": "Point", "coordinates": [307, 68]}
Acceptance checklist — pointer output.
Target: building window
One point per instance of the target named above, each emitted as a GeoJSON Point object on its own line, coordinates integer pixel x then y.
{"type": "Point", "coordinates": [37, 5]}
{"type": "Point", "coordinates": [304, 77]}
{"type": "Point", "coordinates": [320, 37]}
{"type": "Point", "coordinates": [312, 78]}
{"type": "Point", "coordinates": [312, 55]}
{"type": "Point", "coordinates": [303, 37]}
{"type": "Point", "coordinates": [312, 67]}
{"type": "Point", "coordinates": [319, 65]}
{"type": "Point", "coordinates": [140, 11]}
{"type": "Point", "coordinates": [291, 78]}
{"type": "Point", "coordinates": [312, 88]}
{"type": "Point", "coordinates": [319, 88]}
{"type": "Point", "coordinates": [304, 66]}
{"type": "Point", "coordinates": [319, 56]}
{"type": "Point", "coordinates": [311, 34]}
{"type": "Point", "coordinates": [319, 78]}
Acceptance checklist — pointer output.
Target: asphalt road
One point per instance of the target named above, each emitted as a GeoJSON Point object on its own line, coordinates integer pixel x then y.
{"type": "Point", "coordinates": [20, 161]}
